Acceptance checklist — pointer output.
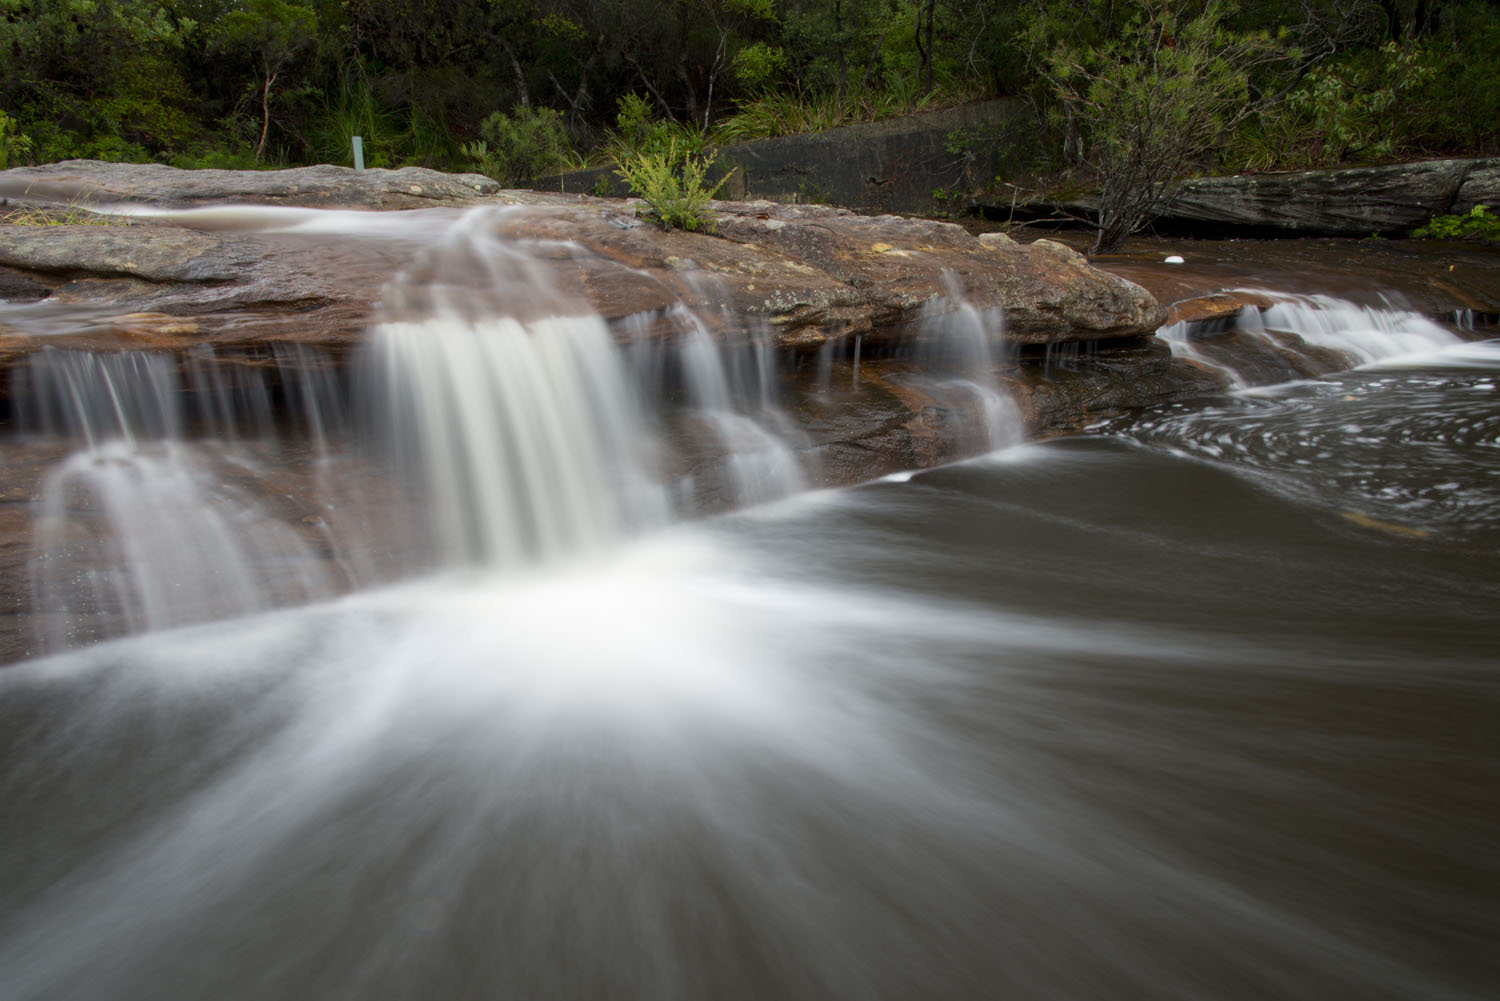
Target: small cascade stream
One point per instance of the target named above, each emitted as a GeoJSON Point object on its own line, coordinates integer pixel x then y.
{"type": "Point", "coordinates": [512, 655]}
{"type": "Point", "coordinates": [1277, 341]}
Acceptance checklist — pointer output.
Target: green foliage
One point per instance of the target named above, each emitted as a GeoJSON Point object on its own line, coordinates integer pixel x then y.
{"type": "Point", "coordinates": [844, 48]}
{"type": "Point", "coordinates": [1151, 103]}
{"type": "Point", "coordinates": [756, 64]}
{"type": "Point", "coordinates": [993, 156]}
{"type": "Point", "coordinates": [674, 185]}
{"type": "Point", "coordinates": [14, 144]}
{"type": "Point", "coordinates": [218, 159]}
{"type": "Point", "coordinates": [272, 33]}
{"type": "Point", "coordinates": [1477, 224]}
{"type": "Point", "coordinates": [229, 82]}
{"type": "Point", "coordinates": [94, 77]}
{"type": "Point", "coordinates": [353, 109]}
{"type": "Point", "coordinates": [1456, 106]}
{"type": "Point", "coordinates": [637, 132]}
{"type": "Point", "coordinates": [1343, 109]}
{"type": "Point", "coordinates": [525, 144]}
{"type": "Point", "coordinates": [786, 113]}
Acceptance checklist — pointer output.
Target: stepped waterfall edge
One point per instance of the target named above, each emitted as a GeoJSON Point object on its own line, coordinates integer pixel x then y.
{"type": "Point", "coordinates": [501, 421]}
{"type": "Point", "coordinates": [493, 417]}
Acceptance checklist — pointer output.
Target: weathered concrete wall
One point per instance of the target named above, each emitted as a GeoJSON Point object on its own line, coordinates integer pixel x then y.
{"type": "Point", "coordinates": [903, 165]}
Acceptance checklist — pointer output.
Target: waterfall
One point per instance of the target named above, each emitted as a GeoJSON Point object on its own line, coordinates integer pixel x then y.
{"type": "Point", "coordinates": [1365, 333]}
{"type": "Point", "coordinates": [143, 527]}
{"type": "Point", "coordinates": [1296, 329]}
{"type": "Point", "coordinates": [494, 419]}
{"type": "Point", "coordinates": [956, 345]}
{"type": "Point", "coordinates": [523, 438]}
{"type": "Point", "coordinates": [731, 390]}
{"type": "Point", "coordinates": [1179, 338]}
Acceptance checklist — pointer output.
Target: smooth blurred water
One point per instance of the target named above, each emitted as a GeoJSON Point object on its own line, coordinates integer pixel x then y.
{"type": "Point", "coordinates": [1201, 706]}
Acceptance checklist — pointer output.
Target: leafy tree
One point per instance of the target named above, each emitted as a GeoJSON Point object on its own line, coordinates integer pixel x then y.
{"type": "Point", "coordinates": [843, 45]}
{"type": "Point", "coordinates": [94, 77]}
{"type": "Point", "coordinates": [273, 32]}
{"type": "Point", "coordinates": [1152, 102]}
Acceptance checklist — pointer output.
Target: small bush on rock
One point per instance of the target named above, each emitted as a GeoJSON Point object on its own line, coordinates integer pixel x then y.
{"type": "Point", "coordinates": [674, 184]}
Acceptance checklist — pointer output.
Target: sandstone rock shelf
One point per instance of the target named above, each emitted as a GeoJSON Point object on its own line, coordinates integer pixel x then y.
{"type": "Point", "coordinates": [176, 266]}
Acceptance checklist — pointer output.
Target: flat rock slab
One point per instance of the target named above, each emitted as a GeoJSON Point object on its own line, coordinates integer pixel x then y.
{"type": "Point", "coordinates": [1434, 277]}
{"type": "Point", "coordinates": [92, 182]}
{"type": "Point", "coordinates": [811, 273]}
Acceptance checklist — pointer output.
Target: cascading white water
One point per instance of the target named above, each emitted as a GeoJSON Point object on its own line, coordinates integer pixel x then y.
{"type": "Point", "coordinates": [1366, 334]}
{"type": "Point", "coordinates": [1178, 336]}
{"type": "Point", "coordinates": [94, 398]}
{"type": "Point", "coordinates": [143, 529]}
{"type": "Point", "coordinates": [526, 438]}
{"type": "Point", "coordinates": [523, 420]}
{"type": "Point", "coordinates": [736, 400]}
{"type": "Point", "coordinates": [956, 344]}
{"type": "Point", "coordinates": [516, 417]}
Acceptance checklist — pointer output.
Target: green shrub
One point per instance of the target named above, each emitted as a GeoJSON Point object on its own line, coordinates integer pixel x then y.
{"type": "Point", "coordinates": [636, 132]}
{"type": "Point", "coordinates": [14, 144]}
{"type": "Point", "coordinates": [1477, 224]}
{"type": "Point", "coordinates": [221, 159]}
{"type": "Point", "coordinates": [525, 144]}
{"type": "Point", "coordinates": [785, 113]}
{"type": "Point", "coordinates": [1353, 108]}
{"type": "Point", "coordinates": [1456, 107]}
{"type": "Point", "coordinates": [674, 185]}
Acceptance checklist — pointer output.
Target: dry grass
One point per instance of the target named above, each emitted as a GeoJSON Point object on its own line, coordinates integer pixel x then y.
{"type": "Point", "coordinates": [74, 213]}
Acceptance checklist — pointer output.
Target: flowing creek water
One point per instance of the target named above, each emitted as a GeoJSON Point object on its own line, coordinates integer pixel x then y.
{"type": "Point", "coordinates": [1199, 704]}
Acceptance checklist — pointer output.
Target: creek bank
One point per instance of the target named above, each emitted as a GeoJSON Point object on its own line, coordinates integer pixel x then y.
{"type": "Point", "coordinates": [1384, 200]}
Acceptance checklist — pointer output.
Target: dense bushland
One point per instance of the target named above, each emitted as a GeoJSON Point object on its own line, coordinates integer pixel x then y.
{"type": "Point", "coordinates": [1134, 92]}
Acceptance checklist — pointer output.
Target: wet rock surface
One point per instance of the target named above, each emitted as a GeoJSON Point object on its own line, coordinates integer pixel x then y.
{"type": "Point", "coordinates": [1433, 277]}
{"type": "Point", "coordinates": [92, 182]}
{"type": "Point", "coordinates": [846, 301]}
{"type": "Point", "coordinates": [810, 272]}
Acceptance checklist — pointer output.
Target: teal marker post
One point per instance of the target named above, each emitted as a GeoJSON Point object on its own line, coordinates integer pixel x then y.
{"type": "Point", "coordinates": [359, 153]}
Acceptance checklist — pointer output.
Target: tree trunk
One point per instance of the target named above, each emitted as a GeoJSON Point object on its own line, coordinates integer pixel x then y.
{"type": "Point", "coordinates": [931, 16]}
{"type": "Point", "coordinates": [265, 111]}
{"type": "Point", "coordinates": [523, 96]}
{"type": "Point", "coordinates": [924, 54]}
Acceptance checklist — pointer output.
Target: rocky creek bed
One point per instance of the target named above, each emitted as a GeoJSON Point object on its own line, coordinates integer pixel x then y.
{"type": "Point", "coordinates": [225, 274]}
